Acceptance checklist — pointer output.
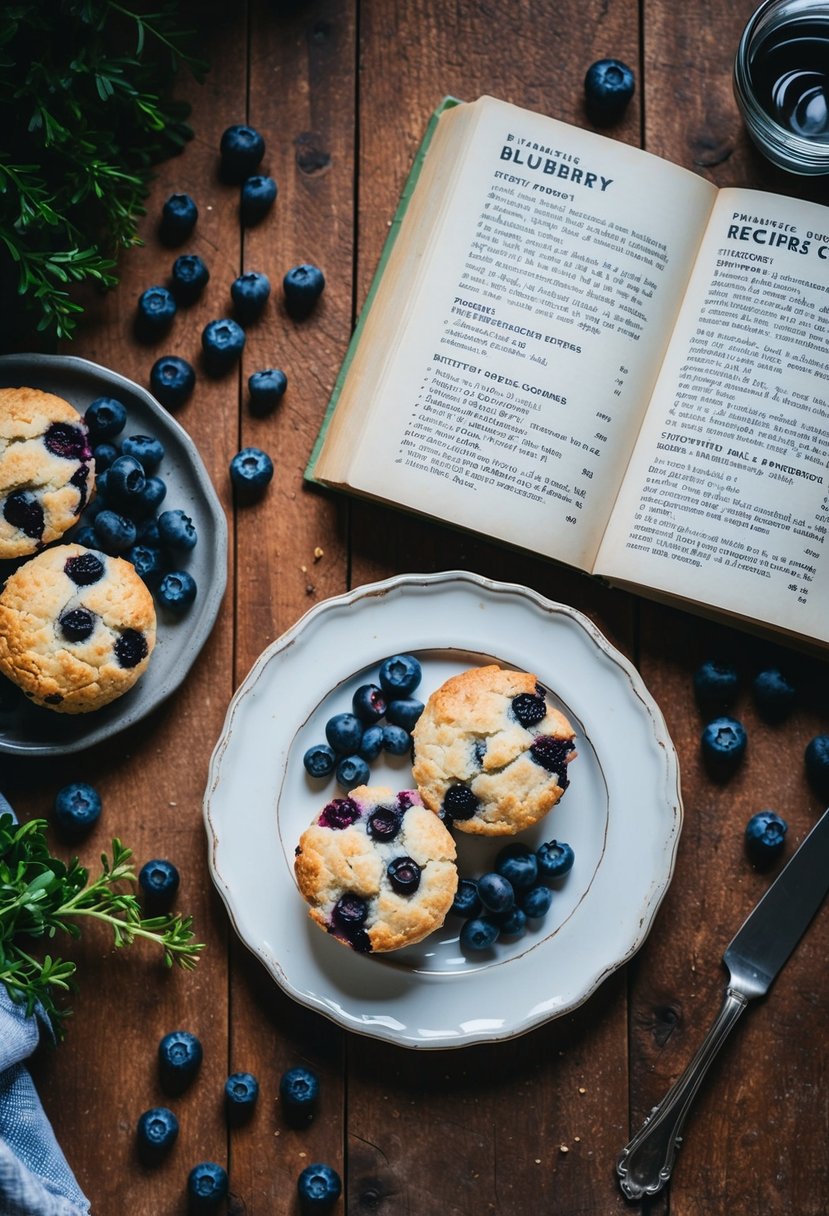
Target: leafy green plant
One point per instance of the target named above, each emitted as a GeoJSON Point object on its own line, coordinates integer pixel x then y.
{"type": "Point", "coordinates": [41, 895]}
{"type": "Point", "coordinates": [85, 112]}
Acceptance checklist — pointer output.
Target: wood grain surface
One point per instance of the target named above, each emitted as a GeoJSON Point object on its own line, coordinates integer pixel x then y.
{"type": "Point", "coordinates": [342, 90]}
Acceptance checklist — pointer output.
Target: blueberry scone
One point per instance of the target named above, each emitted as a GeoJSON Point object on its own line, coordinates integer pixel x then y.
{"type": "Point", "coordinates": [46, 469]}
{"type": "Point", "coordinates": [491, 752]}
{"type": "Point", "coordinates": [76, 628]}
{"type": "Point", "coordinates": [377, 869]}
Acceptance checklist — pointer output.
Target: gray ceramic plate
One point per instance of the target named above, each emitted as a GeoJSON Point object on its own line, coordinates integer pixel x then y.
{"type": "Point", "coordinates": [28, 730]}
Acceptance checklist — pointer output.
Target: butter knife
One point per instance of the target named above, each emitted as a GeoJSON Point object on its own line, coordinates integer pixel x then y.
{"type": "Point", "coordinates": [753, 959]}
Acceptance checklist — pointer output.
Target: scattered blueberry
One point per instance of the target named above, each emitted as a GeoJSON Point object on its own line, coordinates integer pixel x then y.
{"type": "Point", "coordinates": [179, 1059]}
{"type": "Point", "coordinates": [251, 471]}
{"type": "Point", "coordinates": [172, 381]}
{"type": "Point", "coordinates": [150, 498]}
{"type": "Point", "coordinates": [816, 759]}
{"type": "Point", "coordinates": [723, 745]}
{"type": "Point", "coordinates": [404, 875]}
{"type": "Point", "coordinates": [77, 809]}
{"type": "Point", "coordinates": [371, 743]}
{"type": "Point", "coordinates": [222, 343]}
{"type": "Point", "coordinates": [207, 1187]}
{"type": "Point", "coordinates": [608, 87]}
{"type": "Point", "coordinates": [241, 149]}
{"type": "Point", "coordinates": [479, 933]}
{"type": "Point", "coordinates": [266, 389]}
{"type": "Point", "coordinates": [318, 1188]}
{"type": "Point", "coordinates": [404, 712]}
{"type": "Point", "coordinates": [177, 531]}
{"type": "Point", "coordinates": [103, 455]}
{"type": "Point", "coordinates": [178, 219]}
{"type": "Point", "coordinates": [241, 1092]}
{"type": "Point", "coordinates": [383, 824]}
{"type": "Point", "coordinates": [176, 591]}
{"type": "Point", "coordinates": [257, 197]}
{"type": "Point", "coordinates": [716, 684]}
{"type": "Point", "coordinates": [85, 536]}
{"type": "Point", "coordinates": [459, 802]}
{"type": "Point", "coordinates": [352, 771]}
{"type": "Point", "coordinates": [765, 836]}
{"type": "Point", "coordinates": [114, 532]}
{"type": "Point", "coordinates": [147, 561]}
{"type": "Point", "coordinates": [105, 418]}
{"type": "Point", "coordinates": [189, 278]}
{"type": "Point", "coordinates": [555, 859]}
{"type": "Point", "coordinates": [156, 310]}
{"type": "Point", "coordinates": [250, 295]}
{"type": "Point", "coordinates": [157, 1133]}
{"type": "Point", "coordinates": [495, 893]}
{"type": "Point", "coordinates": [146, 449]}
{"type": "Point", "coordinates": [125, 482]}
{"type": "Point", "coordinates": [774, 694]}
{"type": "Point", "coordinates": [466, 902]}
{"type": "Point", "coordinates": [512, 923]}
{"type": "Point", "coordinates": [344, 732]}
{"type": "Point", "coordinates": [299, 1091]}
{"type": "Point", "coordinates": [518, 864]}
{"type": "Point", "coordinates": [319, 760]}
{"type": "Point", "coordinates": [396, 740]}
{"type": "Point", "coordinates": [369, 703]}
{"type": "Point", "coordinates": [303, 285]}
{"type": "Point", "coordinates": [400, 675]}
{"type": "Point", "coordinates": [535, 903]}
{"type": "Point", "coordinates": [159, 881]}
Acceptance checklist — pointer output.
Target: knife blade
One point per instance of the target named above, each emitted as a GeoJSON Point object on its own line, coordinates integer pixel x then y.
{"type": "Point", "coordinates": [753, 958]}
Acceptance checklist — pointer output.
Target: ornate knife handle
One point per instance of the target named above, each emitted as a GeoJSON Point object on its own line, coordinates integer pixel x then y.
{"type": "Point", "coordinates": [645, 1164]}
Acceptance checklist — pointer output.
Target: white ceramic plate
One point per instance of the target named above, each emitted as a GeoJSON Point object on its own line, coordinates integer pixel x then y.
{"type": "Point", "coordinates": [622, 812]}
{"type": "Point", "coordinates": [26, 729]}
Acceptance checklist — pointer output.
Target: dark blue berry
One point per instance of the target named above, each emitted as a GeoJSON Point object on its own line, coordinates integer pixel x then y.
{"type": "Point", "coordinates": [150, 499]}
{"type": "Point", "coordinates": [146, 449]}
{"type": "Point", "coordinates": [179, 1059]}
{"type": "Point", "coordinates": [350, 911]}
{"type": "Point", "coordinates": [479, 933]}
{"type": "Point", "coordinates": [765, 836]}
{"type": "Point", "coordinates": [172, 381]}
{"type": "Point", "coordinates": [400, 676]}
{"type": "Point", "coordinates": [723, 745]}
{"type": "Point", "coordinates": [318, 1187]}
{"type": "Point", "coordinates": [125, 482]}
{"type": "Point", "coordinates": [352, 771]}
{"type": "Point", "coordinates": [103, 455]}
{"type": "Point", "coordinates": [22, 510]}
{"type": "Point", "coordinates": [518, 864]}
{"type": "Point", "coordinates": [130, 648]}
{"type": "Point", "coordinates": [84, 570]}
{"type": "Point", "coordinates": [266, 389]}
{"type": "Point", "coordinates": [105, 418]}
{"type": "Point", "coordinates": [250, 295]}
{"type": "Point", "coordinates": [608, 87]}
{"type": "Point", "coordinates": [466, 902]}
{"type": "Point", "coordinates": [459, 802]}
{"type": "Point", "coordinates": [115, 533]}
{"type": "Point", "coordinates": [404, 875]}
{"type": "Point", "coordinates": [207, 1187]}
{"type": "Point", "coordinates": [404, 712]}
{"type": "Point", "coordinates": [241, 149]}
{"type": "Point", "coordinates": [495, 892]}
{"type": "Point", "coordinates": [85, 536]}
{"type": "Point", "coordinates": [535, 903]}
{"type": "Point", "coordinates": [156, 310]}
{"type": "Point", "coordinates": [67, 441]}
{"type": "Point", "coordinates": [101, 487]}
{"type": "Point", "coordinates": [299, 1091]}
{"type": "Point", "coordinates": [241, 1093]}
{"type": "Point", "coordinates": [339, 814]}
{"type": "Point", "coordinates": [77, 625]}
{"type": "Point", "coordinates": [251, 471]}
{"type": "Point", "coordinates": [555, 859]}
{"type": "Point", "coordinates": [716, 684]}
{"type": "Point", "coordinates": [148, 532]}
{"type": "Point", "coordinates": [344, 732]}
{"type": "Point", "coordinates": [816, 759]}
{"type": "Point", "coordinates": [176, 591]}
{"type": "Point", "coordinates": [551, 754]}
{"type": "Point", "coordinates": [157, 1133]}
{"type": "Point", "coordinates": [302, 285]}
{"type": "Point", "coordinates": [77, 809]}
{"type": "Point", "coordinates": [222, 343]}
{"type": "Point", "coordinates": [319, 760]}
{"type": "Point", "coordinates": [178, 219]}
{"type": "Point", "coordinates": [774, 694]}
{"type": "Point", "coordinates": [371, 743]}
{"type": "Point", "coordinates": [369, 703]}
{"type": "Point", "coordinates": [512, 923]}
{"type": "Point", "coordinates": [396, 740]}
{"type": "Point", "coordinates": [177, 531]}
{"type": "Point", "coordinates": [189, 278]}
{"type": "Point", "coordinates": [529, 709]}
{"type": "Point", "coordinates": [383, 824]}
{"type": "Point", "coordinates": [159, 881]}
{"type": "Point", "coordinates": [257, 197]}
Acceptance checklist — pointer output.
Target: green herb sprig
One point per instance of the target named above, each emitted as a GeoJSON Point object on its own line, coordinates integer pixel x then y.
{"type": "Point", "coordinates": [41, 895]}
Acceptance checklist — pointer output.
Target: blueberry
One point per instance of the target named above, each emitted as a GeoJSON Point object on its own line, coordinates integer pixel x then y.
{"type": "Point", "coordinates": [177, 531]}
{"type": "Point", "coordinates": [241, 1092]}
{"type": "Point", "coordinates": [84, 569]}
{"type": "Point", "coordinates": [146, 449]}
{"type": "Point", "coordinates": [157, 1133]}
{"type": "Point", "coordinates": [466, 902]}
{"type": "Point", "coordinates": [396, 740]}
{"type": "Point", "coordinates": [816, 759]}
{"type": "Point", "coordinates": [266, 389]}
{"type": "Point", "coordinates": [608, 87]}
{"type": "Point", "coordinates": [765, 836]}
{"type": "Point", "coordinates": [404, 875]}
{"type": "Point", "coordinates": [156, 310]}
{"type": "Point", "coordinates": [459, 802]}
{"type": "Point", "coordinates": [251, 470]}
{"type": "Point", "coordinates": [105, 418]}
{"type": "Point", "coordinates": [103, 455]}
{"type": "Point", "coordinates": [77, 809]}
{"type": "Point", "coordinates": [535, 903]}
{"type": "Point", "coordinates": [114, 532]}
{"type": "Point", "coordinates": [178, 219]}
{"type": "Point", "coordinates": [518, 864]}
{"type": "Point", "coordinates": [350, 912]}
{"type": "Point", "coordinates": [319, 1188]}
{"type": "Point", "coordinates": [176, 591]}
{"type": "Point", "coordinates": [344, 732]}
{"type": "Point", "coordinates": [555, 859]}
{"type": "Point", "coordinates": [339, 814]}
{"type": "Point", "coordinates": [371, 743]}
{"type": "Point", "coordinates": [404, 712]}
{"type": "Point", "coordinates": [22, 510]}
{"type": "Point", "coordinates": [302, 285]}
{"type": "Point", "coordinates": [77, 625]}
{"type": "Point", "coordinates": [512, 923]}
{"type": "Point", "coordinates": [479, 933]}
{"type": "Point", "coordinates": [101, 487]}
{"type": "Point", "coordinates": [148, 532]}
{"type": "Point", "coordinates": [159, 881]}
{"type": "Point", "coordinates": [716, 684]}
{"type": "Point", "coordinates": [319, 760]}
{"type": "Point", "coordinates": [250, 294]}
{"type": "Point", "coordinates": [352, 771]}
{"type": "Point", "coordinates": [179, 1059]}
{"type": "Point", "coordinates": [774, 694]}
{"type": "Point", "coordinates": [257, 197]}
{"type": "Point", "coordinates": [299, 1091]}
{"type": "Point", "coordinates": [529, 709]}
{"type": "Point", "coordinates": [383, 824]}
{"type": "Point", "coordinates": [147, 561]}
{"type": "Point", "coordinates": [723, 745]}
{"type": "Point", "coordinates": [130, 648]}
{"type": "Point", "coordinates": [495, 892]}
{"type": "Point", "coordinates": [400, 675]}
{"type": "Point", "coordinates": [189, 278]}
{"type": "Point", "coordinates": [207, 1187]}
{"type": "Point", "coordinates": [369, 703]}
{"type": "Point", "coordinates": [150, 499]}
{"type": "Point", "coordinates": [172, 381]}
{"type": "Point", "coordinates": [125, 482]}
{"type": "Point", "coordinates": [552, 753]}
{"type": "Point", "coordinates": [85, 536]}
{"type": "Point", "coordinates": [222, 343]}
{"type": "Point", "coordinates": [241, 148]}
{"type": "Point", "coordinates": [67, 441]}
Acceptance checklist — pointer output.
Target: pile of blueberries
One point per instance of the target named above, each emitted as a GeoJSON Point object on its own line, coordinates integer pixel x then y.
{"type": "Point", "coordinates": [382, 719]}
{"type": "Point", "coordinates": [123, 518]}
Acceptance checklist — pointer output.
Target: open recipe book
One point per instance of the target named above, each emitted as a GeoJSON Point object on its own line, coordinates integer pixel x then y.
{"type": "Point", "coordinates": [578, 348]}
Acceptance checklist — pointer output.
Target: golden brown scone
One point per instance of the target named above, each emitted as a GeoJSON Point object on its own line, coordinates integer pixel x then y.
{"type": "Point", "coordinates": [377, 869]}
{"type": "Point", "coordinates": [491, 752]}
{"type": "Point", "coordinates": [77, 628]}
{"type": "Point", "coordinates": [46, 469]}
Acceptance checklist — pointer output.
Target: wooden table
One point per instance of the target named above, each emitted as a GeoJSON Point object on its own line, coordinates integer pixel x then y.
{"type": "Point", "coordinates": [341, 91]}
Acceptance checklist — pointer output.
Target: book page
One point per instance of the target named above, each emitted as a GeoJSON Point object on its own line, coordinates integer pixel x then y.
{"type": "Point", "coordinates": [726, 501]}
{"type": "Point", "coordinates": [520, 341]}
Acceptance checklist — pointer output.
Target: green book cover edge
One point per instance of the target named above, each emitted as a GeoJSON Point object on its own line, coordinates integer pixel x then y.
{"type": "Point", "coordinates": [402, 206]}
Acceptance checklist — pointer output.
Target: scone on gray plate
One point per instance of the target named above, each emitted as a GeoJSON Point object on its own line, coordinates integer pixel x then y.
{"type": "Point", "coordinates": [77, 628]}
{"type": "Point", "coordinates": [47, 473]}
{"type": "Point", "coordinates": [491, 753]}
{"type": "Point", "coordinates": [377, 869]}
